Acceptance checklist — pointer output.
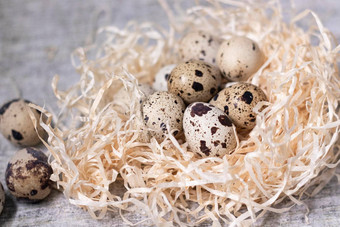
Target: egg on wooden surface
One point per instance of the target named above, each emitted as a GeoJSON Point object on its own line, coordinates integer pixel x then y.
{"type": "Point", "coordinates": [208, 130]}
{"type": "Point", "coordinates": [238, 102]}
{"type": "Point", "coordinates": [28, 175]}
{"type": "Point", "coordinates": [238, 58]}
{"type": "Point", "coordinates": [194, 81]}
{"type": "Point", "coordinates": [16, 124]}
{"type": "Point", "coordinates": [162, 108]}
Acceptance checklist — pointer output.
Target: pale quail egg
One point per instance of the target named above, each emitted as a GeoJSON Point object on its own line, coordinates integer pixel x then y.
{"type": "Point", "coordinates": [238, 102]}
{"type": "Point", "coordinates": [2, 198]}
{"type": "Point", "coordinates": [239, 57]}
{"type": "Point", "coordinates": [161, 79]}
{"type": "Point", "coordinates": [28, 175]}
{"type": "Point", "coordinates": [194, 81]}
{"type": "Point", "coordinates": [208, 130]}
{"type": "Point", "coordinates": [16, 124]}
{"type": "Point", "coordinates": [199, 46]}
{"type": "Point", "coordinates": [160, 109]}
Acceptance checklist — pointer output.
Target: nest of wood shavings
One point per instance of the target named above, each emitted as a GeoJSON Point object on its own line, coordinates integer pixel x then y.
{"type": "Point", "coordinates": [104, 141]}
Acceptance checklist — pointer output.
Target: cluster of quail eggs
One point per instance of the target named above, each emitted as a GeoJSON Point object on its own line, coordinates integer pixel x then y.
{"type": "Point", "coordinates": [192, 100]}
{"type": "Point", "coordinates": [28, 172]}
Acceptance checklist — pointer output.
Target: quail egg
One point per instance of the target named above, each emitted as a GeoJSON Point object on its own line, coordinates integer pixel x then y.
{"type": "Point", "coordinates": [160, 109]}
{"type": "Point", "coordinates": [28, 175]}
{"type": "Point", "coordinates": [2, 198]}
{"type": "Point", "coordinates": [199, 46]}
{"type": "Point", "coordinates": [194, 81]}
{"type": "Point", "coordinates": [238, 58]}
{"type": "Point", "coordinates": [238, 102]}
{"type": "Point", "coordinates": [16, 124]}
{"type": "Point", "coordinates": [161, 79]}
{"type": "Point", "coordinates": [208, 130]}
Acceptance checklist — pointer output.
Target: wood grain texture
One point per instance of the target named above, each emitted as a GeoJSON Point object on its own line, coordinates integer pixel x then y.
{"type": "Point", "coordinates": [36, 39]}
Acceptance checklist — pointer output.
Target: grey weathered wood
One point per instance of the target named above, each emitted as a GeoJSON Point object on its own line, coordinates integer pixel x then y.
{"type": "Point", "coordinates": [36, 39]}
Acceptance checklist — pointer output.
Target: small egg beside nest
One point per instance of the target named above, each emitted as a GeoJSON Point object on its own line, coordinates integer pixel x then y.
{"type": "Point", "coordinates": [162, 108]}
{"type": "Point", "coordinates": [28, 175]}
{"type": "Point", "coordinates": [16, 124]}
{"type": "Point", "coordinates": [238, 102]}
{"type": "Point", "coordinates": [238, 58]}
{"type": "Point", "coordinates": [2, 198]}
{"type": "Point", "coordinates": [161, 79]}
{"type": "Point", "coordinates": [194, 81]}
{"type": "Point", "coordinates": [208, 131]}
{"type": "Point", "coordinates": [199, 45]}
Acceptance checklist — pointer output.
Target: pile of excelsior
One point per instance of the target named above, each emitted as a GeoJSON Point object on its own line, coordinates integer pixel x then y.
{"type": "Point", "coordinates": [201, 82]}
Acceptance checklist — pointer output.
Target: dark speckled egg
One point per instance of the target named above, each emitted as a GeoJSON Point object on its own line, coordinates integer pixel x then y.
{"type": "Point", "coordinates": [16, 124]}
{"type": "Point", "coordinates": [208, 131]}
{"type": "Point", "coordinates": [238, 102]}
{"type": "Point", "coordinates": [194, 81]}
{"type": "Point", "coordinates": [162, 108]}
{"type": "Point", "coordinates": [28, 175]}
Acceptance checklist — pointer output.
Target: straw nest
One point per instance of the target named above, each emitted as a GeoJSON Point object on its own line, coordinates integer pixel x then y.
{"type": "Point", "coordinates": [103, 139]}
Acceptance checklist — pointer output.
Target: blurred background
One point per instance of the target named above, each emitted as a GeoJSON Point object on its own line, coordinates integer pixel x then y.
{"type": "Point", "coordinates": [36, 40]}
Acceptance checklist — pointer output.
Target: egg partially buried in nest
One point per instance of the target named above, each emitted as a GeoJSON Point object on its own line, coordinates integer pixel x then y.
{"type": "Point", "coordinates": [199, 45]}
{"type": "Point", "coordinates": [16, 124]}
{"type": "Point", "coordinates": [161, 79]}
{"type": "Point", "coordinates": [194, 81]}
{"type": "Point", "coordinates": [238, 102]}
{"type": "Point", "coordinates": [162, 108]}
{"type": "Point", "coordinates": [2, 197]}
{"type": "Point", "coordinates": [238, 58]}
{"type": "Point", "coordinates": [208, 130]}
{"type": "Point", "coordinates": [28, 175]}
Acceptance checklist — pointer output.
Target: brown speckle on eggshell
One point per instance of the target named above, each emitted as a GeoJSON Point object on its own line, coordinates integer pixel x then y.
{"type": "Point", "coordinates": [160, 109]}
{"type": "Point", "coordinates": [28, 175]}
{"type": "Point", "coordinates": [16, 124]}
{"type": "Point", "coordinates": [194, 81]}
{"type": "Point", "coordinates": [238, 102]}
{"type": "Point", "coordinates": [208, 131]}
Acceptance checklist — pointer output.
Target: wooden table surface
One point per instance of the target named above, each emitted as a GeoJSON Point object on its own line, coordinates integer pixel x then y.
{"type": "Point", "coordinates": [36, 39]}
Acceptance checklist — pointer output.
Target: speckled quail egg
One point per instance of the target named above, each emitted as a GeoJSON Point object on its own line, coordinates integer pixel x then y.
{"type": "Point", "coordinates": [16, 124]}
{"type": "Point", "coordinates": [238, 102]}
{"type": "Point", "coordinates": [160, 109]}
{"type": "Point", "coordinates": [199, 45]}
{"type": "Point", "coordinates": [2, 198]}
{"type": "Point", "coordinates": [161, 79]}
{"type": "Point", "coordinates": [28, 175]}
{"type": "Point", "coordinates": [194, 81]}
{"type": "Point", "coordinates": [238, 58]}
{"type": "Point", "coordinates": [208, 130]}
